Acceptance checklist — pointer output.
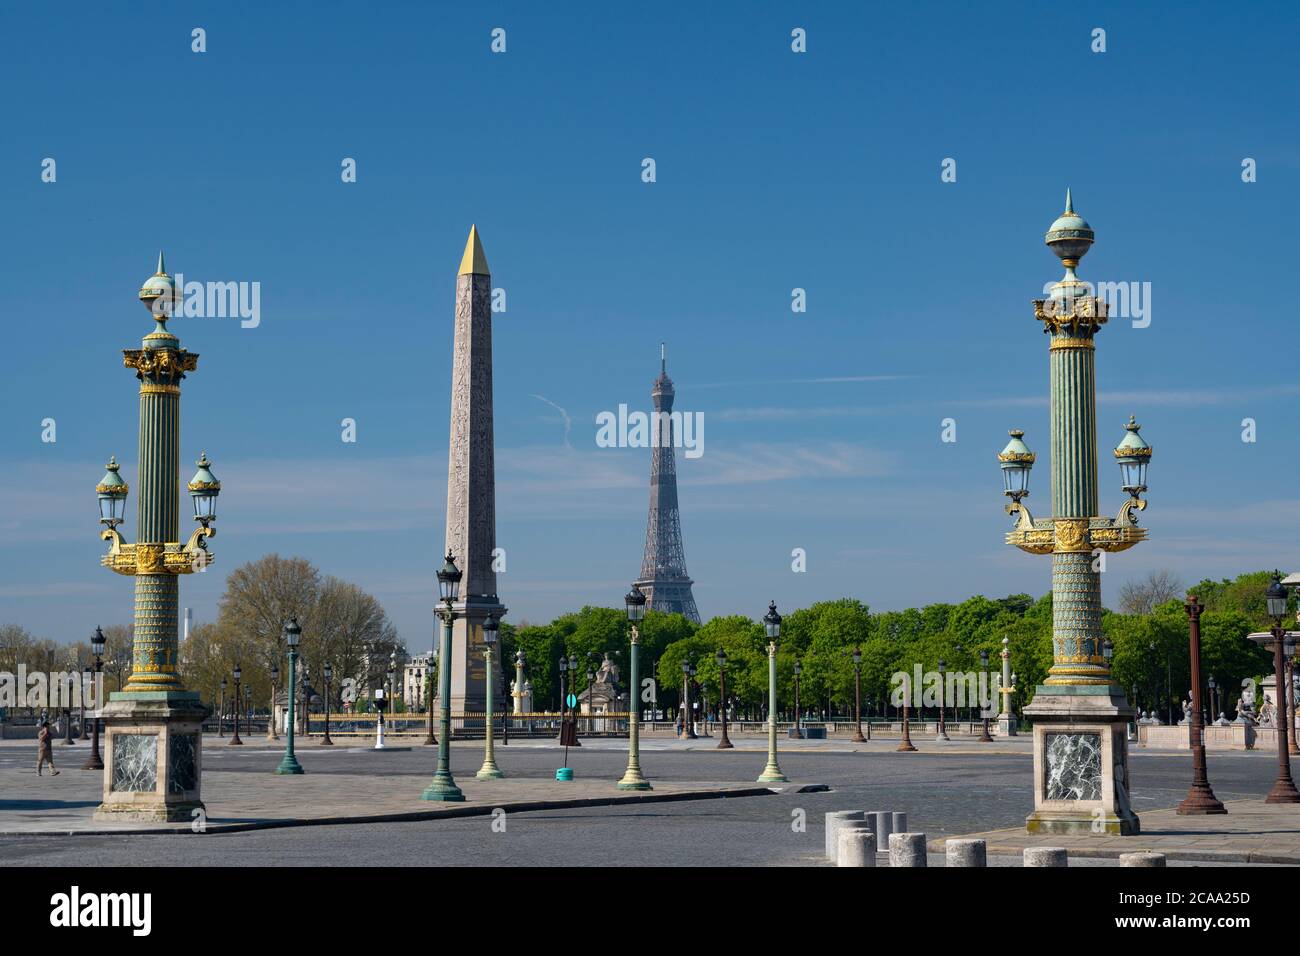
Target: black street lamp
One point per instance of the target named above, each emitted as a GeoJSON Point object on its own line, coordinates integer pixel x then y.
{"type": "Point", "coordinates": [857, 697]}
{"type": "Point", "coordinates": [95, 762]}
{"type": "Point", "coordinates": [1284, 790]}
{"type": "Point", "coordinates": [221, 710]}
{"type": "Point", "coordinates": [271, 733]}
{"type": "Point", "coordinates": [688, 721]}
{"type": "Point", "coordinates": [943, 695]}
{"type": "Point", "coordinates": [985, 736]}
{"type": "Point", "coordinates": [329, 674]}
{"type": "Point", "coordinates": [239, 700]}
{"type": "Point", "coordinates": [720, 659]}
{"type": "Point", "coordinates": [1200, 799]}
{"type": "Point", "coordinates": [797, 733]}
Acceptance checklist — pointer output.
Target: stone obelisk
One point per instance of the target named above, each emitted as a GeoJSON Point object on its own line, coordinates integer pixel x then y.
{"type": "Point", "coordinates": [471, 478]}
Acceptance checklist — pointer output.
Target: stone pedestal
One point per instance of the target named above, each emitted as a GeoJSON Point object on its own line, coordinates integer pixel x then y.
{"type": "Point", "coordinates": [1081, 780]}
{"type": "Point", "coordinates": [153, 757]}
{"type": "Point", "coordinates": [1006, 725]}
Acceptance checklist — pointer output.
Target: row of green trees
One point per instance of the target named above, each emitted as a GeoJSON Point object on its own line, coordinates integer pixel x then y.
{"type": "Point", "coordinates": [346, 626]}
{"type": "Point", "coordinates": [1150, 647]}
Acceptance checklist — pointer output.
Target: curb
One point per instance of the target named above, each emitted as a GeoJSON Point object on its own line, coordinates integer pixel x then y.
{"type": "Point", "coordinates": [406, 816]}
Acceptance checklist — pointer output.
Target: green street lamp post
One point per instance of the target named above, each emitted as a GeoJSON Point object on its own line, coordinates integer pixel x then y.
{"type": "Point", "coordinates": [633, 779]}
{"type": "Point", "coordinates": [721, 659]}
{"type": "Point", "coordinates": [292, 635]}
{"type": "Point", "coordinates": [772, 626]}
{"type": "Point", "coordinates": [489, 770]}
{"type": "Point", "coordinates": [1080, 716]}
{"type": "Point", "coordinates": [239, 700]}
{"type": "Point", "coordinates": [905, 745]}
{"type": "Point", "coordinates": [444, 786]}
{"type": "Point", "coordinates": [221, 709]}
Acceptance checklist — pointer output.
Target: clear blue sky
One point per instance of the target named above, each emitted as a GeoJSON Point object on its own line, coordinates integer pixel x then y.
{"type": "Point", "coordinates": [775, 171]}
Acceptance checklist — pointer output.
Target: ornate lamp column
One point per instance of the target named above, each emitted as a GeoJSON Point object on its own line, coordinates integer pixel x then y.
{"type": "Point", "coordinates": [153, 739]}
{"type": "Point", "coordinates": [857, 696]}
{"type": "Point", "coordinates": [1006, 719]}
{"type": "Point", "coordinates": [489, 770]}
{"type": "Point", "coordinates": [1080, 716]}
{"type": "Point", "coordinates": [633, 778]}
{"type": "Point", "coordinates": [772, 625]}
{"type": "Point", "coordinates": [517, 695]}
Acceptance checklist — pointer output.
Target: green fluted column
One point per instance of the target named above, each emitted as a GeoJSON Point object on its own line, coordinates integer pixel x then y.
{"type": "Point", "coordinates": [444, 786]}
{"type": "Point", "coordinates": [1076, 586]}
{"type": "Point", "coordinates": [160, 366]}
{"type": "Point", "coordinates": [772, 772]}
{"type": "Point", "coordinates": [632, 778]}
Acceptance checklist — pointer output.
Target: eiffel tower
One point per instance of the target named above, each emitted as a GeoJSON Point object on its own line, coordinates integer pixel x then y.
{"type": "Point", "coordinates": [663, 568]}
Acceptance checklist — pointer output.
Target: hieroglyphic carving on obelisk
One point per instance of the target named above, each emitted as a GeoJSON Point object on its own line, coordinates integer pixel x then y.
{"type": "Point", "coordinates": [471, 476]}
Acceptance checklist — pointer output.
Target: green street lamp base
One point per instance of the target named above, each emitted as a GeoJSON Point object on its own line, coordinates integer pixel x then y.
{"type": "Point", "coordinates": [443, 788]}
{"type": "Point", "coordinates": [289, 764]}
{"type": "Point", "coordinates": [634, 781]}
{"type": "Point", "coordinates": [489, 772]}
{"type": "Point", "coordinates": [772, 774]}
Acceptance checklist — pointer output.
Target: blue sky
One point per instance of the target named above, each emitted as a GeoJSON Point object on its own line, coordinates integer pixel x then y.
{"type": "Point", "coordinates": [775, 170]}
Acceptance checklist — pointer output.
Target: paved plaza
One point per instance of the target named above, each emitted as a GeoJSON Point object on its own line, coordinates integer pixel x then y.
{"type": "Point", "coordinates": [706, 808]}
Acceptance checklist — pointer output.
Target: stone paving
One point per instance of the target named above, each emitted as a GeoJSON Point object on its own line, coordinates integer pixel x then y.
{"type": "Point", "coordinates": [1251, 832]}
{"type": "Point", "coordinates": [65, 804]}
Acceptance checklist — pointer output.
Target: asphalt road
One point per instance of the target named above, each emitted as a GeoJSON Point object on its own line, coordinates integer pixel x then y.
{"type": "Point", "coordinates": [943, 794]}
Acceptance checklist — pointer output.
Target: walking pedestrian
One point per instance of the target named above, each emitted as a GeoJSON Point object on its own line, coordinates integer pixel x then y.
{"type": "Point", "coordinates": [45, 749]}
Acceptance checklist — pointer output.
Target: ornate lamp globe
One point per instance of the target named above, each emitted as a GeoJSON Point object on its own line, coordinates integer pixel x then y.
{"type": "Point", "coordinates": [1133, 455]}
{"type": "Point", "coordinates": [292, 632]}
{"type": "Point", "coordinates": [857, 656]}
{"type": "Point", "coordinates": [112, 491]}
{"type": "Point", "coordinates": [635, 603]}
{"type": "Point", "coordinates": [97, 643]}
{"type": "Point", "coordinates": [491, 628]}
{"type": "Point", "coordinates": [449, 580]}
{"type": "Point", "coordinates": [798, 668]}
{"type": "Point", "coordinates": [1016, 460]}
{"type": "Point", "coordinates": [1275, 598]}
{"type": "Point", "coordinates": [204, 488]}
{"type": "Point", "coordinates": [239, 673]}
{"type": "Point", "coordinates": [1069, 238]}
{"type": "Point", "coordinates": [943, 666]}
{"type": "Point", "coordinates": [159, 293]}
{"type": "Point", "coordinates": [772, 622]}
{"type": "Point", "coordinates": [720, 658]}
